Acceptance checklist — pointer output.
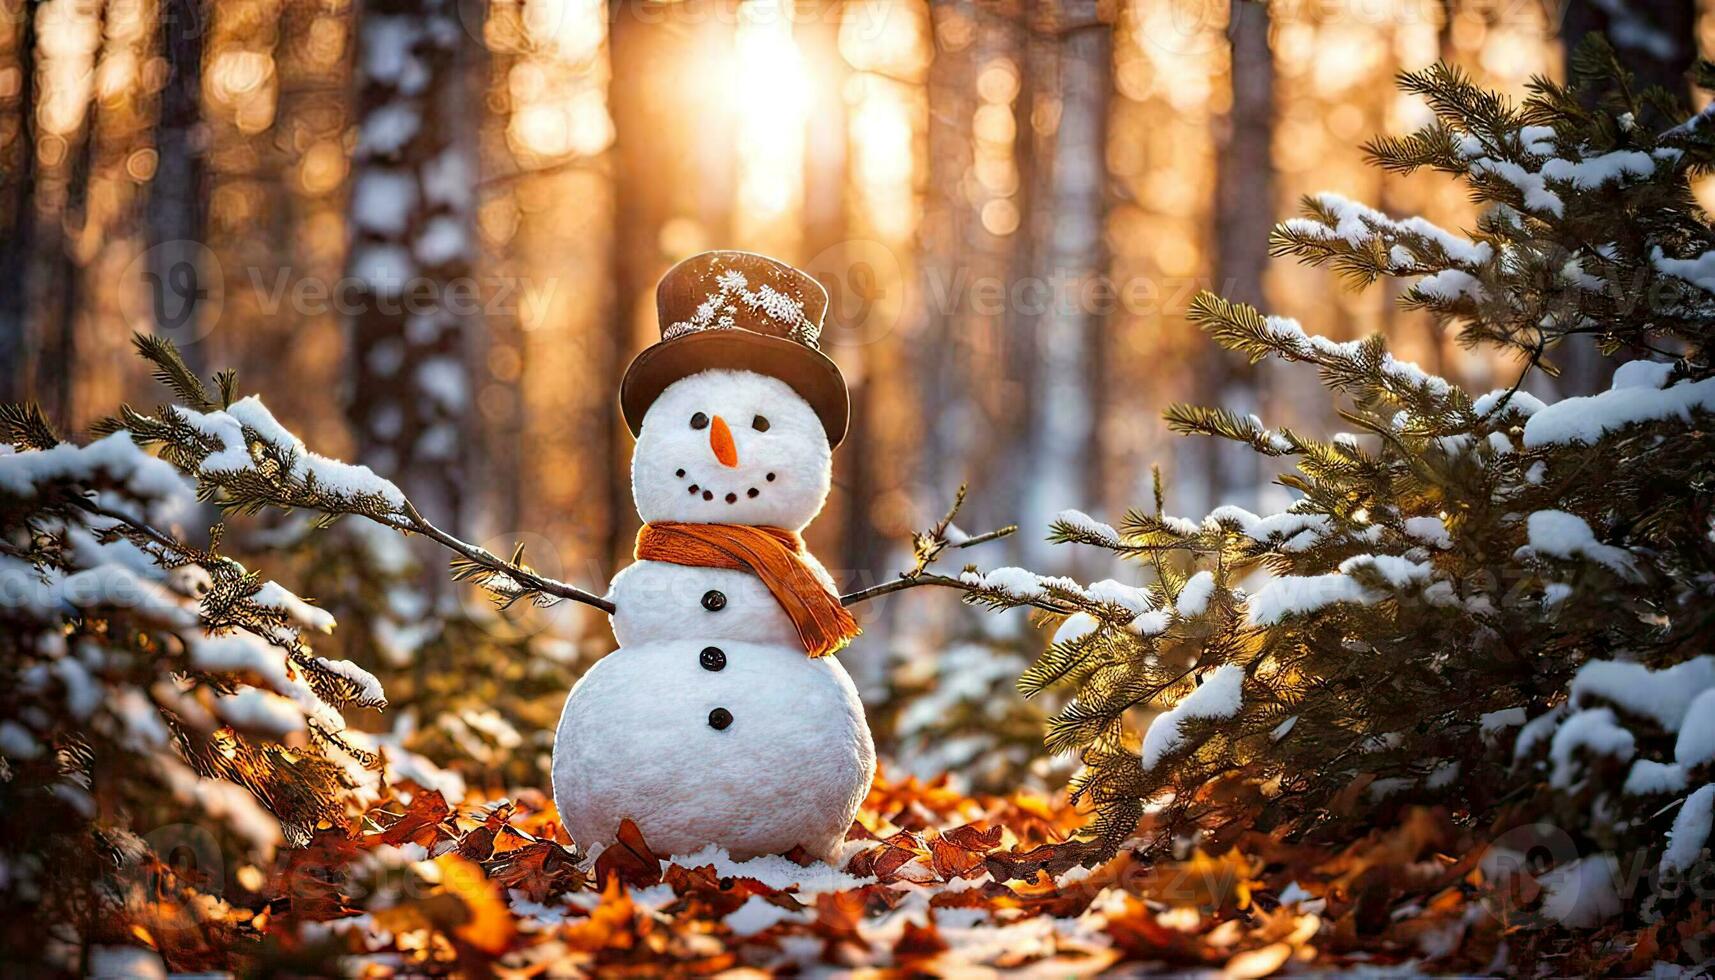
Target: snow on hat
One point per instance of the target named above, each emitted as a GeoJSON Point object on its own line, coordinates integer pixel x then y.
{"type": "Point", "coordinates": [741, 311]}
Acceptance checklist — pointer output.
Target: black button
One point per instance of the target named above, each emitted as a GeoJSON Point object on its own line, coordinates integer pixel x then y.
{"type": "Point", "coordinates": [714, 600]}
{"type": "Point", "coordinates": [712, 658]}
{"type": "Point", "coordinates": [720, 718]}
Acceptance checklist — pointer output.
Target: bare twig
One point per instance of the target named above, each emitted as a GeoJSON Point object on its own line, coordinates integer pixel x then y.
{"type": "Point", "coordinates": [507, 581]}
{"type": "Point", "coordinates": [527, 578]}
{"type": "Point", "coordinates": [902, 583]}
{"type": "Point", "coordinates": [986, 536]}
{"type": "Point", "coordinates": [159, 537]}
{"type": "Point", "coordinates": [928, 546]}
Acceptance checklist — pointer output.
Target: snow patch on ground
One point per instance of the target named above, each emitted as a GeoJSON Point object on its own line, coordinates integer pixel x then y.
{"type": "Point", "coordinates": [1581, 894]}
{"type": "Point", "coordinates": [757, 914]}
{"type": "Point", "coordinates": [1496, 722]}
{"type": "Point", "coordinates": [131, 962]}
{"type": "Point", "coordinates": [773, 870]}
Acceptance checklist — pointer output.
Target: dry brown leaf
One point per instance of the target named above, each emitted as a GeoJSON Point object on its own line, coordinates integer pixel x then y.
{"type": "Point", "coordinates": [420, 823]}
{"type": "Point", "coordinates": [489, 926]}
{"type": "Point", "coordinates": [629, 859]}
{"type": "Point", "coordinates": [918, 942]}
{"type": "Point", "coordinates": [540, 869]}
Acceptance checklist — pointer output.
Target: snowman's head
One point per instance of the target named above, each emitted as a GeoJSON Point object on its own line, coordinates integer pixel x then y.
{"type": "Point", "coordinates": [731, 447]}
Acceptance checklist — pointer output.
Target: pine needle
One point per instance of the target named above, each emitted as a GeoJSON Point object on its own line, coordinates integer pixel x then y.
{"type": "Point", "coordinates": [26, 427]}
{"type": "Point", "coordinates": [172, 371]}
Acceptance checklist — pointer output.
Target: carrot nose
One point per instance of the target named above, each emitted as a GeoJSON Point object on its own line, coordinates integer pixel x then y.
{"type": "Point", "coordinates": [720, 440]}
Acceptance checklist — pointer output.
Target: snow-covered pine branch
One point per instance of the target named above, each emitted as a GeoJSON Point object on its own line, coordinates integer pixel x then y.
{"type": "Point", "coordinates": [928, 545]}
{"type": "Point", "coordinates": [1362, 368]}
{"type": "Point", "coordinates": [245, 461]}
{"type": "Point", "coordinates": [165, 661]}
{"type": "Point", "coordinates": [150, 683]}
{"type": "Point", "coordinates": [1472, 599]}
{"type": "Point", "coordinates": [1557, 182]}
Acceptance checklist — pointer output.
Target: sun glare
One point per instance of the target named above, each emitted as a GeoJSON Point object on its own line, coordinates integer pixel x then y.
{"type": "Point", "coordinates": [558, 84]}
{"type": "Point", "coordinates": [769, 103]}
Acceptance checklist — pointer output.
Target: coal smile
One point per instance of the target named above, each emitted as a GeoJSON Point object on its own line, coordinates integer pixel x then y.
{"type": "Point", "coordinates": [695, 489]}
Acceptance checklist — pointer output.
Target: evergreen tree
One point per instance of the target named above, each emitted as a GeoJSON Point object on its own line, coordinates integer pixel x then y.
{"type": "Point", "coordinates": [158, 695]}
{"type": "Point", "coordinates": [1455, 567]}
{"type": "Point", "coordinates": [148, 685]}
{"type": "Point", "coordinates": [412, 214]}
{"type": "Point", "coordinates": [949, 708]}
{"type": "Point", "coordinates": [472, 691]}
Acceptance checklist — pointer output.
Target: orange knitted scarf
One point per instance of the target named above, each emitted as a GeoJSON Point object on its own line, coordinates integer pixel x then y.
{"type": "Point", "coordinates": [772, 554]}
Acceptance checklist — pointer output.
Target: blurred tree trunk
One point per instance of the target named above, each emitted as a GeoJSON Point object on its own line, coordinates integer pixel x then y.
{"type": "Point", "coordinates": [54, 286]}
{"type": "Point", "coordinates": [640, 201]}
{"type": "Point", "coordinates": [298, 340]}
{"type": "Point", "coordinates": [944, 233]}
{"type": "Point", "coordinates": [674, 184]}
{"type": "Point", "coordinates": [1244, 214]}
{"type": "Point", "coordinates": [1244, 192]}
{"type": "Point", "coordinates": [18, 203]}
{"type": "Point", "coordinates": [176, 216]}
{"type": "Point", "coordinates": [262, 333]}
{"type": "Point", "coordinates": [970, 383]}
{"type": "Point", "coordinates": [1656, 41]}
{"type": "Point", "coordinates": [67, 280]}
{"type": "Point", "coordinates": [412, 227]}
{"type": "Point", "coordinates": [844, 537]}
{"type": "Point", "coordinates": [1062, 452]}
{"type": "Point", "coordinates": [1029, 312]}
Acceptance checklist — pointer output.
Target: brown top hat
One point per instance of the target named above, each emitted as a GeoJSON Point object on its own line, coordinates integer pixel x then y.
{"type": "Point", "coordinates": [741, 311]}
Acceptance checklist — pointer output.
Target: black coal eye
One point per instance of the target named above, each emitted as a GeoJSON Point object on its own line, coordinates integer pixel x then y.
{"type": "Point", "coordinates": [699, 421]}
{"type": "Point", "coordinates": [759, 423]}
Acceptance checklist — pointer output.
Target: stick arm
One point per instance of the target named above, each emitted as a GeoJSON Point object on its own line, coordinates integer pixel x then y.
{"type": "Point", "coordinates": [530, 581]}
{"type": "Point", "coordinates": [928, 546]}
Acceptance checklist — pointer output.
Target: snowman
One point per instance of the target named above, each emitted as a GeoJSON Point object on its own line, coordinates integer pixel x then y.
{"type": "Point", "coordinates": [723, 718]}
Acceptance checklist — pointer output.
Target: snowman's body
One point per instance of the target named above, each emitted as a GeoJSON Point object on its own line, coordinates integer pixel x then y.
{"type": "Point", "coordinates": [710, 724]}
